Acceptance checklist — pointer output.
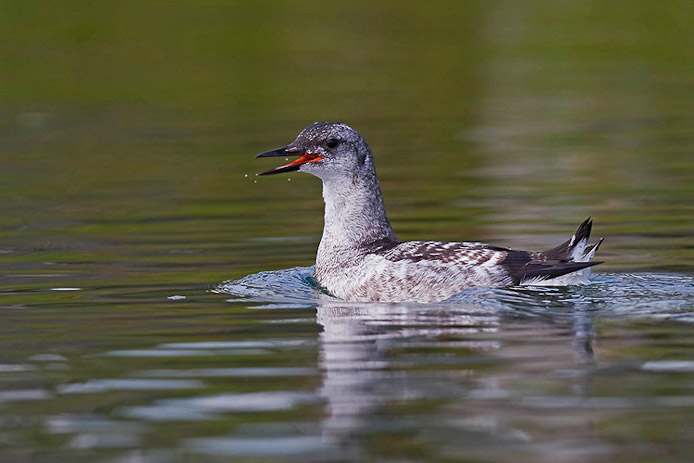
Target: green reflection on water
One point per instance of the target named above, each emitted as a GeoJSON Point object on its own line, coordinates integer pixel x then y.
{"type": "Point", "coordinates": [489, 120]}
{"type": "Point", "coordinates": [127, 136]}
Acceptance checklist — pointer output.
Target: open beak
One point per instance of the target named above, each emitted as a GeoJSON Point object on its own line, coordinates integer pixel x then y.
{"type": "Point", "coordinates": [292, 166]}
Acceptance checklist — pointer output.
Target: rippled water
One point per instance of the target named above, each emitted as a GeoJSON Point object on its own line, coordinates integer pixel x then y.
{"type": "Point", "coordinates": [156, 300]}
{"type": "Point", "coordinates": [619, 294]}
{"type": "Point", "coordinates": [267, 367]}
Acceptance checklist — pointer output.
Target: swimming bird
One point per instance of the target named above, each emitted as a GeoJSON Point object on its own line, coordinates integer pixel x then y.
{"type": "Point", "coordinates": [361, 259]}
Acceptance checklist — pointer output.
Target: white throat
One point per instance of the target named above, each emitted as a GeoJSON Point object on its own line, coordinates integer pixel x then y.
{"type": "Point", "coordinates": [354, 217]}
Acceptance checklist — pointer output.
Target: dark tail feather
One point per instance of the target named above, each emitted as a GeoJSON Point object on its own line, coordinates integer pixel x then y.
{"type": "Point", "coordinates": [594, 247]}
{"type": "Point", "coordinates": [524, 266]}
{"type": "Point", "coordinates": [546, 270]}
{"type": "Point", "coordinates": [563, 251]}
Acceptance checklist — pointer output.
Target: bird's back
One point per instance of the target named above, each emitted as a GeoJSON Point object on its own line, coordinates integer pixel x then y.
{"type": "Point", "coordinates": [420, 271]}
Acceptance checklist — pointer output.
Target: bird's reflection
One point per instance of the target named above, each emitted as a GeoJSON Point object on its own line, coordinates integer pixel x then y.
{"type": "Point", "coordinates": [364, 370]}
{"type": "Point", "coordinates": [360, 374]}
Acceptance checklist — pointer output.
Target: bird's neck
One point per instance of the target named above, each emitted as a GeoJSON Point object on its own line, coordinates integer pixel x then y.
{"type": "Point", "coordinates": [354, 215]}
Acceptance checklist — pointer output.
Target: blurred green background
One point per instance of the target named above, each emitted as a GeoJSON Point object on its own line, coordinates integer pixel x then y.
{"type": "Point", "coordinates": [128, 132]}
{"type": "Point", "coordinates": [128, 129]}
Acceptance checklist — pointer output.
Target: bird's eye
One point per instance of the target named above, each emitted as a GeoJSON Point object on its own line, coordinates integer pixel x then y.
{"type": "Point", "coordinates": [332, 143]}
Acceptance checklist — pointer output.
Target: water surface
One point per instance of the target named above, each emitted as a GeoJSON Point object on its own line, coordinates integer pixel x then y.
{"type": "Point", "coordinates": [135, 322]}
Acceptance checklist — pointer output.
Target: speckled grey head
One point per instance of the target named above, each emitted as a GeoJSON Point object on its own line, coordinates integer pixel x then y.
{"type": "Point", "coordinates": [326, 149]}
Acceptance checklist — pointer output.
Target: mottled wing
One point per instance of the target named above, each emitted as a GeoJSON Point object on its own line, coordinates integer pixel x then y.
{"type": "Point", "coordinates": [485, 264]}
{"type": "Point", "coordinates": [474, 263]}
{"type": "Point", "coordinates": [461, 253]}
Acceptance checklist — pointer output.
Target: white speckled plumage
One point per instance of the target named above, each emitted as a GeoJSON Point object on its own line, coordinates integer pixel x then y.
{"type": "Point", "coordinates": [361, 259]}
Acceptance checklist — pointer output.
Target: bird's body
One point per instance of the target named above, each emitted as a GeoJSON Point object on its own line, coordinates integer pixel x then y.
{"type": "Point", "coordinates": [361, 259]}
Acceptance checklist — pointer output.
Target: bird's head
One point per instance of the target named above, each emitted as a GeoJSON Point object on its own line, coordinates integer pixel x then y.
{"type": "Point", "coordinates": [325, 149]}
